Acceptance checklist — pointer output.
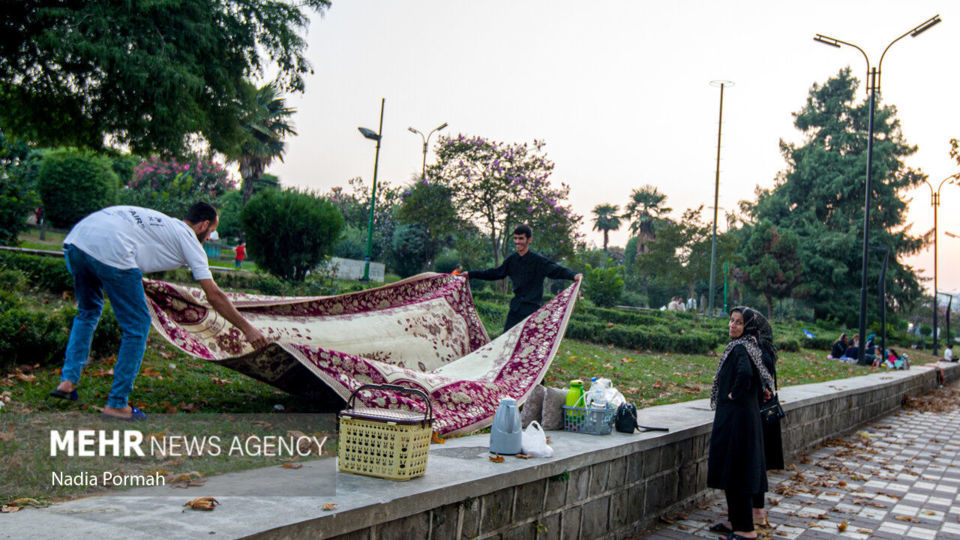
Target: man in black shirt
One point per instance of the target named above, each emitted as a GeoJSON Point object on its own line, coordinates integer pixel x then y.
{"type": "Point", "coordinates": [526, 270]}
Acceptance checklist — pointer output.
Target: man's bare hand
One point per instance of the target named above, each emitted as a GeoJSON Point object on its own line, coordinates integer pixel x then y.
{"type": "Point", "coordinates": [578, 277]}
{"type": "Point", "coordinates": [465, 275]}
{"type": "Point", "coordinates": [256, 338]}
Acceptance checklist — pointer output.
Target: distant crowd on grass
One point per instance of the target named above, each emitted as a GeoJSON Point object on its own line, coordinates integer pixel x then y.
{"type": "Point", "coordinates": [849, 351]}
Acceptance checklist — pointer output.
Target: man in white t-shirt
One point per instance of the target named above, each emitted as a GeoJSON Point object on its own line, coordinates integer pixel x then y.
{"type": "Point", "coordinates": [109, 251]}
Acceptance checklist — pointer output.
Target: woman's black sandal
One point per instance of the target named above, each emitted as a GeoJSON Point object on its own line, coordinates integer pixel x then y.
{"type": "Point", "coordinates": [720, 528]}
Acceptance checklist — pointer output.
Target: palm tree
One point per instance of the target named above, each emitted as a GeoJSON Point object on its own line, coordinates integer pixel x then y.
{"type": "Point", "coordinates": [266, 123]}
{"type": "Point", "coordinates": [644, 213]}
{"type": "Point", "coordinates": [606, 220]}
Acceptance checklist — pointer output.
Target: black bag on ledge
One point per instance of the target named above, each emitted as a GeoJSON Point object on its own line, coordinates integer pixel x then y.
{"type": "Point", "coordinates": [625, 420]}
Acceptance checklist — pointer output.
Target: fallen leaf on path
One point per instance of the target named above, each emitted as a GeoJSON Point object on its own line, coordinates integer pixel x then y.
{"type": "Point", "coordinates": [9, 509]}
{"type": "Point", "coordinates": [202, 503]}
{"type": "Point", "coordinates": [23, 377]}
{"type": "Point", "coordinates": [435, 438]}
{"type": "Point", "coordinates": [497, 458]}
{"type": "Point", "coordinates": [906, 518]}
{"type": "Point", "coordinates": [292, 465]}
{"type": "Point", "coordinates": [327, 507]}
{"type": "Point", "coordinates": [524, 456]}
{"type": "Point", "coordinates": [842, 526]}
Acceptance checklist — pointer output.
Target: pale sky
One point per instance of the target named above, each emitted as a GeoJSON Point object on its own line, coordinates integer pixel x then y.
{"type": "Point", "coordinates": [620, 91]}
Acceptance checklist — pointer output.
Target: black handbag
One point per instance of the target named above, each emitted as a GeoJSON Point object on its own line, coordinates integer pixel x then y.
{"type": "Point", "coordinates": [625, 420]}
{"type": "Point", "coordinates": [771, 412]}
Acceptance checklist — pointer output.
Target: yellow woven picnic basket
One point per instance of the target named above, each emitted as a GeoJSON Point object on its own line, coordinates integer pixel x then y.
{"type": "Point", "coordinates": [385, 443]}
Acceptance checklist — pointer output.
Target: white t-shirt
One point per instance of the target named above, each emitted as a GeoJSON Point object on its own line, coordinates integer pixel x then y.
{"type": "Point", "coordinates": [127, 237]}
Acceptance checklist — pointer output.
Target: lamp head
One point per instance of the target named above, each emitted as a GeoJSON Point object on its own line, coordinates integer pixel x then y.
{"type": "Point", "coordinates": [926, 25]}
{"type": "Point", "coordinates": [441, 126]}
{"type": "Point", "coordinates": [369, 133]}
{"type": "Point", "coordinates": [827, 40]}
{"type": "Point", "coordinates": [411, 130]}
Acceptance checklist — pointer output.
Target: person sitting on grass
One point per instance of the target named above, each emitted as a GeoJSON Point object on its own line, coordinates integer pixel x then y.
{"type": "Point", "coordinates": [526, 270]}
{"type": "Point", "coordinates": [870, 352]}
{"type": "Point", "coordinates": [839, 347]}
{"type": "Point", "coordinates": [109, 251]}
{"type": "Point", "coordinates": [852, 354]}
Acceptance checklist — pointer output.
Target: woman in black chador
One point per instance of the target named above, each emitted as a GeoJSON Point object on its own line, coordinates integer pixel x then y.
{"type": "Point", "coordinates": [757, 326]}
{"type": "Point", "coordinates": [736, 463]}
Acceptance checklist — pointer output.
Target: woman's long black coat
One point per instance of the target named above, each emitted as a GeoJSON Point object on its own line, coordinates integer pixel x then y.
{"type": "Point", "coordinates": [736, 461]}
{"type": "Point", "coordinates": [772, 436]}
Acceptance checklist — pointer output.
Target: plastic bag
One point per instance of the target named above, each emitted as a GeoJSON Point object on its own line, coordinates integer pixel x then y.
{"type": "Point", "coordinates": [602, 394]}
{"type": "Point", "coordinates": [534, 441]}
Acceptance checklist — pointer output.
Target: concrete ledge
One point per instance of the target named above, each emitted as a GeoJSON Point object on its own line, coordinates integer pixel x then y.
{"type": "Point", "coordinates": [594, 487]}
{"type": "Point", "coordinates": [652, 471]}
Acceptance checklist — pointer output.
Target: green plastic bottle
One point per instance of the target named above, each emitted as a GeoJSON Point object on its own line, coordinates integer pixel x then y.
{"type": "Point", "coordinates": [574, 399]}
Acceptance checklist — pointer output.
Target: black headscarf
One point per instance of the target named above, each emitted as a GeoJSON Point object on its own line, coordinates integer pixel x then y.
{"type": "Point", "coordinates": [757, 326]}
{"type": "Point", "coordinates": [756, 331]}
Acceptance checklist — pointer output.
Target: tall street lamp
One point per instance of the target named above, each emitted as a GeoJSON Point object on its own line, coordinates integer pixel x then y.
{"type": "Point", "coordinates": [373, 136]}
{"type": "Point", "coordinates": [426, 141]}
{"type": "Point", "coordinates": [935, 202]}
{"type": "Point", "coordinates": [873, 87]}
{"type": "Point", "coordinates": [716, 200]}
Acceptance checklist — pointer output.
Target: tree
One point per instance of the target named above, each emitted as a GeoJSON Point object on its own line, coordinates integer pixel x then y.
{"type": "Point", "coordinates": [603, 286]}
{"type": "Point", "coordinates": [606, 220]}
{"type": "Point", "coordinates": [355, 207]}
{"type": "Point", "coordinates": [411, 249]}
{"type": "Point", "coordinates": [429, 207]}
{"type": "Point", "coordinates": [265, 123]}
{"type": "Point", "coordinates": [819, 197]}
{"type": "Point", "coordinates": [771, 265]}
{"type": "Point", "coordinates": [498, 186]}
{"type": "Point", "coordinates": [147, 75]}
{"type": "Point", "coordinates": [289, 233]}
{"type": "Point", "coordinates": [74, 183]}
{"type": "Point", "coordinates": [17, 194]}
{"type": "Point", "coordinates": [173, 186]}
{"type": "Point", "coordinates": [645, 212]}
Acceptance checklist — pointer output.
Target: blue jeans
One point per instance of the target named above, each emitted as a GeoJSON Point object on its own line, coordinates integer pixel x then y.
{"type": "Point", "coordinates": [91, 278]}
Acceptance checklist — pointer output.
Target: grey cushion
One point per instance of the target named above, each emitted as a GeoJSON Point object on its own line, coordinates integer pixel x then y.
{"type": "Point", "coordinates": [533, 406]}
{"type": "Point", "coordinates": [553, 403]}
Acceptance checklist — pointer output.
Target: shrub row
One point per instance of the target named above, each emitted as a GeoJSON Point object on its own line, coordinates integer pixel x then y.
{"type": "Point", "coordinates": [38, 337]}
{"type": "Point", "coordinates": [652, 338]}
{"type": "Point", "coordinates": [48, 273]}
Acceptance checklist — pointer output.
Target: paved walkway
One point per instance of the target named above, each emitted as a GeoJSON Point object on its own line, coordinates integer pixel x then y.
{"type": "Point", "coordinates": [894, 478]}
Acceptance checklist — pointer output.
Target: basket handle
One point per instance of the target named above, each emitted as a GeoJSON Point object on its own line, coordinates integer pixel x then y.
{"type": "Point", "coordinates": [396, 388]}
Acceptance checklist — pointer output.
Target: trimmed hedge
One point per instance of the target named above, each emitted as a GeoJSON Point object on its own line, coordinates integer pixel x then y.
{"type": "Point", "coordinates": [651, 338]}
{"type": "Point", "coordinates": [31, 337]}
{"type": "Point", "coordinates": [49, 273]}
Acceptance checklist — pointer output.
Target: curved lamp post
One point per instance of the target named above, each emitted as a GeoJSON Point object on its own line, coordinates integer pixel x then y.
{"type": "Point", "coordinates": [873, 87]}
{"type": "Point", "coordinates": [426, 141]}
{"type": "Point", "coordinates": [935, 202]}
{"type": "Point", "coordinates": [373, 136]}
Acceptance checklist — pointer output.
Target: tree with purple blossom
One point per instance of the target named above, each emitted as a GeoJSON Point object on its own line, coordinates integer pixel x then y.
{"type": "Point", "coordinates": [497, 186]}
